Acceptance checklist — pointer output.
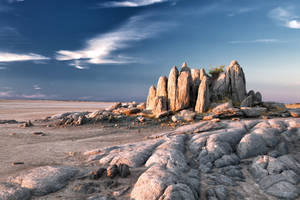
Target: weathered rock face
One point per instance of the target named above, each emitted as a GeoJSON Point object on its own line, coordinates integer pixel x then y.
{"type": "Point", "coordinates": [183, 91]}
{"type": "Point", "coordinates": [203, 100]}
{"type": "Point", "coordinates": [172, 88]}
{"type": "Point", "coordinates": [196, 82]}
{"type": "Point", "coordinates": [162, 87]}
{"type": "Point", "coordinates": [151, 98]}
{"type": "Point", "coordinates": [160, 105]}
{"type": "Point", "coordinates": [219, 87]}
{"type": "Point", "coordinates": [235, 82]}
{"type": "Point", "coordinates": [202, 74]}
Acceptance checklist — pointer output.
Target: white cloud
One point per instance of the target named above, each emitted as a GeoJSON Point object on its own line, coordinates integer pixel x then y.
{"type": "Point", "coordinates": [12, 57]}
{"type": "Point", "coordinates": [12, 94]}
{"type": "Point", "coordinates": [37, 87]}
{"type": "Point", "coordinates": [77, 64]}
{"type": "Point", "coordinates": [33, 96]}
{"type": "Point", "coordinates": [266, 41]}
{"type": "Point", "coordinates": [102, 49]}
{"type": "Point", "coordinates": [294, 24]}
{"type": "Point", "coordinates": [285, 17]}
{"type": "Point", "coordinates": [131, 3]}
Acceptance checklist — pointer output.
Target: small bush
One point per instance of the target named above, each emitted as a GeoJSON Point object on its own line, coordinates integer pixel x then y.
{"type": "Point", "coordinates": [215, 71]}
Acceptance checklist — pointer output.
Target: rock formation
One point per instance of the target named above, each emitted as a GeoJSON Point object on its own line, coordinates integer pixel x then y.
{"type": "Point", "coordinates": [172, 88]}
{"type": "Point", "coordinates": [203, 99]}
{"type": "Point", "coordinates": [151, 98]}
{"type": "Point", "coordinates": [162, 87]}
{"type": "Point", "coordinates": [194, 89]}
{"type": "Point", "coordinates": [235, 82]}
{"type": "Point", "coordinates": [183, 95]}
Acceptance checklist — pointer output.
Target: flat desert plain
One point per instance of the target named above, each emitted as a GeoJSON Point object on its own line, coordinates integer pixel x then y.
{"type": "Point", "coordinates": [18, 144]}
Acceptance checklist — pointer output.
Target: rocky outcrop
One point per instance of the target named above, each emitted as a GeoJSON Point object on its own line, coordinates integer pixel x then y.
{"type": "Point", "coordinates": [247, 159]}
{"type": "Point", "coordinates": [235, 82]}
{"type": "Point", "coordinates": [194, 89]}
{"type": "Point", "coordinates": [203, 99]}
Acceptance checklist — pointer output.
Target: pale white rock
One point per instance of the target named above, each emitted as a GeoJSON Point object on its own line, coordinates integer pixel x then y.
{"type": "Point", "coordinates": [222, 107]}
{"type": "Point", "coordinates": [44, 180]}
{"type": "Point", "coordinates": [170, 154]}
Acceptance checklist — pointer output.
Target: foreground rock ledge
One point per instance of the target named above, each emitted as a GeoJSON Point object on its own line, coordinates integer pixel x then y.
{"type": "Point", "coordinates": [248, 159]}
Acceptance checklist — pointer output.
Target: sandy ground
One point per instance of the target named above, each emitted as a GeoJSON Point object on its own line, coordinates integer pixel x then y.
{"type": "Point", "coordinates": [21, 145]}
{"type": "Point", "coordinates": [23, 110]}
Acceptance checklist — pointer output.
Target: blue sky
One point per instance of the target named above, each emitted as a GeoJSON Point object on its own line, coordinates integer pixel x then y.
{"type": "Point", "coordinates": [114, 50]}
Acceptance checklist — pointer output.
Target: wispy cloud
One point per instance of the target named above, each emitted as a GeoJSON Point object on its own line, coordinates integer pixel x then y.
{"type": "Point", "coordinates": [242, 10]}
{"type": "Point", "coordinates": [102, 49]}
{"type": "Point", "coordinates": [265, 41]}
{"type": "Point", "coordinates": [13, 57]}
{"type": "Point", "coordinates": [36, 87]}
{"type": "Point", "coordinates": [131, 3]}
{"type": "Point", "coordinates": [77, 64]}
{"type": "Point", "coordinates": [285, 17]}
{"type": "Point", "coordinates": [10, 94]}
{"type": "Point", "coordinates": [6, 94]}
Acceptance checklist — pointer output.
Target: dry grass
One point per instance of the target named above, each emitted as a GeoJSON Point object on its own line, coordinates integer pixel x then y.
{"type": "Point", "coordinates": [294, 105]}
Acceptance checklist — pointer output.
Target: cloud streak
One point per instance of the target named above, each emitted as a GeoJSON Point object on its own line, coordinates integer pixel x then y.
{"type": "Point", "coordinates": [12, 57]}
{"type": "Point", "coordinates": [131, 3]}
{"type": "Point", "coordinates": [285, 17]}
{"type": "Point", "coordinates": [102, 49]}
{"type": "Point", "coordinates": [264, 41]}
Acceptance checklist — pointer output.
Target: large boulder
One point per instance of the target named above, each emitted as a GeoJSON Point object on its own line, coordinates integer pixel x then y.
{"type": "Point", "coordinates": [162, 87]}
{"type": "Point", "coordinates": [44, 180]}
{"type": "Point", "coordinates": [184, 115]}
{"type": "Point", "coordinates": [183, 96]}
{"type": "Point", "coordinates": [235, 82]}
{"type": "Point", "coordinates": [203, 100]}
{"type": "Point", "coordinates": [172, 88]}
{"type": "Point", "coordinates": [254, 111]}
{"type": "Point", "coordinates": [248, 101]}
{"type": "Point", "coordinates": [151, 98]}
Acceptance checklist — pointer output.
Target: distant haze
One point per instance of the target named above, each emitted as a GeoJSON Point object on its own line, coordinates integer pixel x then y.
{"type": "Point", "coordinates": [114, 50]}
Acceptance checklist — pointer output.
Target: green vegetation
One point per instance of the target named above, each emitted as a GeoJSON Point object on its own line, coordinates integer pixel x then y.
{"type": "Point", "coordinates": [215, 71]}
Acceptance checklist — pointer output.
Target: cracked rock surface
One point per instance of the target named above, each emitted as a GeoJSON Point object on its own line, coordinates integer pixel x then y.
{"type": "Point", "coordinates": [247, 159]}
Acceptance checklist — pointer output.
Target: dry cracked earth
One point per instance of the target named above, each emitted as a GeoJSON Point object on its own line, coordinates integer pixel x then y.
{"type": "Point", "coordinates": [247, 159]}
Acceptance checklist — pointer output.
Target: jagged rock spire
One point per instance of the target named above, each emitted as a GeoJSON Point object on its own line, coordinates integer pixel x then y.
{"type": "Point", "coordinates": [235, 82]}
{"type": "Point", "coordinates": [172, 88]}
{"type": "Point", "coordinates": [162, 87]}
{"type": "Point", "coordinates": [203, 99]}
{"type": "Point", "coordinates": [151, 98]}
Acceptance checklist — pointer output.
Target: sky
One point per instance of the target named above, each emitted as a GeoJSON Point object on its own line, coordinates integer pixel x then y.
{"type": "Point", "coordinates": [113, 50]}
